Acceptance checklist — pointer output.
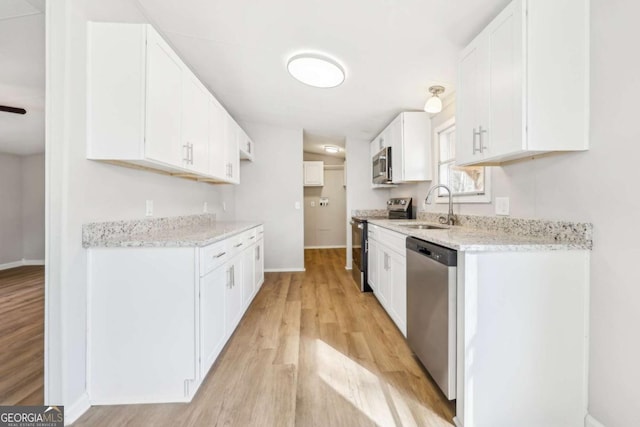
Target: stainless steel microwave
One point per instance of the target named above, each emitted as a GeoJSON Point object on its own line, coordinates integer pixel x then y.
{"type": "Point", "coordinates": [382, 173]}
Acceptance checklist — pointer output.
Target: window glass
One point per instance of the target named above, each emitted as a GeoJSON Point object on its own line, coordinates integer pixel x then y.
{"type": "Point", "coordinates": [463, 181]}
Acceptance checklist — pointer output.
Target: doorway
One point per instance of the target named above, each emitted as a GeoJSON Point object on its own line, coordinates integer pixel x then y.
{"type": "Point", "coordinates": [325, 209]}
{"type": "Point", "coordinates": [22, 202]}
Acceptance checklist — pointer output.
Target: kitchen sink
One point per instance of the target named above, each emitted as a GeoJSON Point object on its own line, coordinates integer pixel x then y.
{"type": "Point", "coordinates": [425, 226]}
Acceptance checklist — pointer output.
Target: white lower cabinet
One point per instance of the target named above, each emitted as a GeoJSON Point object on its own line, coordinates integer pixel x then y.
{"type": "Point", "coordinates": [388, 273]}
{"type": "Point", "coordinates": [159, 317]}
{"type": "Point", "coordinates": [213, 288]}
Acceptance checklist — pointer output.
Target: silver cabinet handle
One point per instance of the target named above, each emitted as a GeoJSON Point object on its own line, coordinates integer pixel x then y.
{"type": "Point", "coordinates": [233, 276]}
{"type": "Point", "coordinates": [475, 150]}
{"type": "Point", "coordinates": [220, 254]}
{"type": "Point", "coordinates": [252, 237]}
{"type": "Point", "coordinates": [238, 245]}
{"type": "Point", "coordinates": [186, 147]}
{"type": "Point", "coordinates": [480, 133]}
{"type": "Point", "coordinates": [257, 253]}
{"type": "Point", "coordinates": [229, 277]}
{"type": "Point", "coordinates": [191, 149]}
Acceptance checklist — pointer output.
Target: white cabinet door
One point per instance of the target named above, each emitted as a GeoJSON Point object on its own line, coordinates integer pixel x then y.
{"type": "Point", "coordinates": [503, 127]}
{"type": "Point", "coordinates": [195, 124]}
{"type": "Point", "coordinates": [245, 144]}
{"type": "Point", "coordinates": [259, 264]}
{"type": "Point", "coordinates": [398, 290]}
{"type": "Point", "coordinates": [233, 312]}
{"type": "Point", "coordinates": [212, 317]}
{"type": "Point", "coordinates": [248, 275]}
{"type": "Point", "coordinates": [232, 153]}
{"type": "Point", "coordinates": [217, 141]}
{"type": "Point", "coordinates": [383, 277]}
{"type": "Point", "coordinates": [313, 174]}
{"type": "Point", "coordinates": [471, 93]}
{"type": "Point", "coordinates": [163, 102]}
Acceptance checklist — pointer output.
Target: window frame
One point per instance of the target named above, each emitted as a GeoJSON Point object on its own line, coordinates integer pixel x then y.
{"type": "Point", "coordinates": [460, 199]}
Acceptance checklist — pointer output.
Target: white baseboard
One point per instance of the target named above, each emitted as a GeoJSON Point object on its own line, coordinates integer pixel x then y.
{"type": "Point", "coordinates": [76, 409]}
{"type": "Point", "coordinates": [457, 422]}
{"type": "Point", "coordinates": [325, 247]}
{"type": "Point", "coordinates": [348, 268]}
{"type": "Point", "coordinates": [21, 263]}
{"type": "Point", "coordinates": [284, 270]}
{"type": "Point", "coordinates": [589, 421]}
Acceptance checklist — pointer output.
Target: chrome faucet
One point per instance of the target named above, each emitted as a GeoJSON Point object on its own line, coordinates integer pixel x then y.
{"type": "Point", "coordinates": [451, 218]}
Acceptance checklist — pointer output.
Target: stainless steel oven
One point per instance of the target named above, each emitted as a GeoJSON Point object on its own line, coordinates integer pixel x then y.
{"type": "Point", "coordinates": [382, 173]}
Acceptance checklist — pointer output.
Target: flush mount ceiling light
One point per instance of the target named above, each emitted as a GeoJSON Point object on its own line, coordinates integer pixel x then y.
{"type": "Point", "coordinates": [331, 149]}
{"type": "Point", "coordinates": [434, 104]}
{"type": "Point", "coordinates": [316, 70]}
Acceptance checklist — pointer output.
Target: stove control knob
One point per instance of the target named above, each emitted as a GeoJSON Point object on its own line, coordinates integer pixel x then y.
{"type": "Point", "coordinates": [404, 202]}
{"type": "Point", "coordinates": [388, 202]}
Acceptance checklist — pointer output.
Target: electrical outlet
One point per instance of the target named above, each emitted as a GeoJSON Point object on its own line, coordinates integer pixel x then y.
{"type": "Point", "coordinates": [313, 204]}
{"type": "Point", "coordinates": [297, 205]}
{"type": "Point", "coordinates": [149, 208]}
{"type": "Point", "coordinates": [502, 206]}
{"type": "Point", "coordinates": [205, 207]}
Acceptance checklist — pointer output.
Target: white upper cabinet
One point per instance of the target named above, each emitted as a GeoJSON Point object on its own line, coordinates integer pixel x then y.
{"type": "Point", "coordinates": [246, 145]}
{"type": "Point", "coordinates": [163, 100]}
{"type": "Point", "coordinates": [313, 174]}
{"type": "Point", "coordinates": [232, 157]}
{"type": "Point", "coordinates": [410, 138]}
{"type": "Point", "coordinates": [146, 108]}
{"type": "Point", "coordinates": [217, 140]}
{"type": "Point", "coordinates": [523, 84]}
{"type": "Point", "coordinates": [195, 124]}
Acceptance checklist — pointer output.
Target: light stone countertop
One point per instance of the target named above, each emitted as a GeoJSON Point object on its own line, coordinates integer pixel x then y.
{"type": "Point", "coordinates": [191, 234]}
{"type": "Point", "coordinates": [480, 240]}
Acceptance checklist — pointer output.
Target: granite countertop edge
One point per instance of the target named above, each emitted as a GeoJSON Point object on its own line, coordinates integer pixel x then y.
{"type": "Point", "coordinates": [474, 240]}
{"type": "Point", "coordinates": [199, 236]}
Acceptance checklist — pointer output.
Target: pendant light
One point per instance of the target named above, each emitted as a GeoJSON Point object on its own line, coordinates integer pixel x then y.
{"type": "Point", "coordinates": [434, 104]}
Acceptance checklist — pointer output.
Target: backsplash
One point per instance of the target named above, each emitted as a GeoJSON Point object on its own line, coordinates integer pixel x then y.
{"type": "Point", "coordinates": [97, 231]}
{"type": "Point", "coordinates": [561, 231]}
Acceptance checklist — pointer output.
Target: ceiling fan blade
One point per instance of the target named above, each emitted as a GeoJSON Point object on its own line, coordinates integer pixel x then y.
{"type": "Point", "coordinates": [12, 109]}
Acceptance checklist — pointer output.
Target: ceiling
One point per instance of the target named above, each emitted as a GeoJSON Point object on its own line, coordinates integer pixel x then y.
{"type": "Point", "coordinates": [312, 143]}
{"type": "Point", "coordinates": [22, 75]}
{"type": "Point", "coordinates": [392, 50]}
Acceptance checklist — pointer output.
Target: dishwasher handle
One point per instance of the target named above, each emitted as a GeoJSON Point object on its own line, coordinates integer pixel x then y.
{"type": "Point", "coordinates": [446, 256]}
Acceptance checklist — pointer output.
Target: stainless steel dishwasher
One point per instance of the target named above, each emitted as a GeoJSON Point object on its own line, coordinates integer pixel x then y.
{"type": "Point", "coordinates": [431, 310]}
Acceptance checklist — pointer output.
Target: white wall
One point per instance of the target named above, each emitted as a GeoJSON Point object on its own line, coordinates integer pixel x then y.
{"type": "Point", "coordinates": [11, 242]}
{"type": "Point", "coordinates": [33, 232]}
{"type": "Point", "coordinates": [81, 191]}
{"type": "Point", "coordinates": [270, 186]}
{"type": "Point", "coordinates": [21, 208]}
{"type": "Point", "coordinates": [360, 195]}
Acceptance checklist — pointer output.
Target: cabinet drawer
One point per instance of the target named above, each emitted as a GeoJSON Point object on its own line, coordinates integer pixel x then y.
{"type": "Point", "coordinates": [393, 240]}
{"type": "Point", "coordinates": [237, 243]}
{"type": "Point", "coordinates": [250, 237]}
{"type": "Point", "coordinates": [259, 232]}
{"type": "Point", "coordinates": [213, 256]}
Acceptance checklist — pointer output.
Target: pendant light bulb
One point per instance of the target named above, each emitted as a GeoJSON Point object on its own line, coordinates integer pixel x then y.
{"type": "Point", "coordinates": [434, 104]}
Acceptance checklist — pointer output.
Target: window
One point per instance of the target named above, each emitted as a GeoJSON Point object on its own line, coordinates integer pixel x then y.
{"type": "Point", "coordinates": [468, 184]}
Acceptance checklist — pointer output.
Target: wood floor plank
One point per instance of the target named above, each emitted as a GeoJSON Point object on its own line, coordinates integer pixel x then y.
{"type": "Point", "coordinates": [312, 350]}
{"type": "Point", "coordinates": [22, 336]}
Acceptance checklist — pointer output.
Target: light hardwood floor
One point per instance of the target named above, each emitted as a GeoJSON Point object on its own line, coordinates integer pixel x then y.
{"type": "Point", "coordinates": [22, 336]}
{"type": "Point", "coordinates": [310, 351]}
